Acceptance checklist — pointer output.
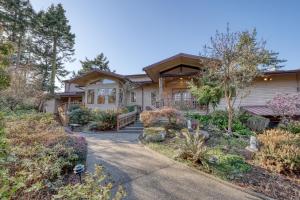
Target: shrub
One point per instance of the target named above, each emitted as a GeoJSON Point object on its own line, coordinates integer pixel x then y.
{"type": "Point", "coordinates": [193, 148]}
{"type": "Point", "coordinates": [105, 120]}
{"type": "Point", "coordinates": [73, 107]}
{"type": "Point", "coordinates": [130, 108]}
{"type": "Point", "coordinates": [227, 166]}
{"type": "Point", "coordinates": [220, 120]}
{"type": "Point", "coordinates": [257, 123]}
{"type": "Point", "coordinates": [280, 151]}
{"type": "Point", "coordinates": [40, 154]}
{"type": "Point", "coordinates": [151, 117]}
{"type": "Point", "coordinates": [292, 126]}
{"type": "Point", "coordinates": [92, 188]}
{"type": "Point", "coordinates": [80, 116]}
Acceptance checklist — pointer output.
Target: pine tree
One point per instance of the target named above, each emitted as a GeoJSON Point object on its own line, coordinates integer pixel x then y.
{"type": "Point", "coordinates": [100, 62]}
{"type": "Point", "coordinates": [17, 18]}
{"type": "Point", "coordinates": [54, 44]}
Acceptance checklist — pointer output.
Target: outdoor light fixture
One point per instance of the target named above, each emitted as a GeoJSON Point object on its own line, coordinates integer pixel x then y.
{"type": "Point", "coordinates": [267, 79]}
{"type": "Point", "coordinates": [78, 170]}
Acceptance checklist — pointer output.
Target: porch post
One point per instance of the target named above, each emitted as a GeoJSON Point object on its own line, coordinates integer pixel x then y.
{"type": "Point", "coordinates": [160, 91]}
{"type": "Point", "coordinates": [69, 102]}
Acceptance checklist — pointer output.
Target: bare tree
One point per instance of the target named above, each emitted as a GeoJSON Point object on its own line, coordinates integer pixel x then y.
{"type": "Point", "coordinates": [239, 58]}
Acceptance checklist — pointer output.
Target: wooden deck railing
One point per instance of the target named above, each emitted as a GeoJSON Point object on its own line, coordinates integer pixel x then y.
{"type": "Point", "coordinates": [184, 104]}
{"type": "Point", "coordinates": [125, 119]}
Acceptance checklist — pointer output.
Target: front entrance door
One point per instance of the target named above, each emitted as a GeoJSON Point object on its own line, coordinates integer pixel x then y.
{"type": "Point", "coordinates": [180, 96]}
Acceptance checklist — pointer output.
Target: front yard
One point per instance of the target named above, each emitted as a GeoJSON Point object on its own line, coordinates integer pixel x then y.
{"type": "Point", "coordinates": [272, 171]}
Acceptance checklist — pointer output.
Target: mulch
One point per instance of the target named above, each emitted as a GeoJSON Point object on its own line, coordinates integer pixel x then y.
{"type": "Point", "coordinates": [273, 185]}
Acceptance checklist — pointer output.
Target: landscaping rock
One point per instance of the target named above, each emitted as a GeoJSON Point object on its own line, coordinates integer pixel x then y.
{"type": "Point", "coordinates": [154, 134]}
{"type": "Point", "coordinates": [155, 138]}
{"type": "Point", "coordinates": [205, 134]}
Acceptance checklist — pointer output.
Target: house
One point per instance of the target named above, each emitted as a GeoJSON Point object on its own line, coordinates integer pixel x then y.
{"type": "Point", "coordinates": [165, 84]}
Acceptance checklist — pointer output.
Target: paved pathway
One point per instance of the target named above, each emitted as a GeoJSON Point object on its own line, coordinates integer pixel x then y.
{"type": "Point", "coordinates": [148, 175]}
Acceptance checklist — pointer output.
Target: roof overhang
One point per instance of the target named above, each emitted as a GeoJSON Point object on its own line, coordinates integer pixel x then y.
{"type": "Point", "coordinates": [95, 74]}
{"type": "Point", "coordinates": [154, 71]}
{"type": "Point", "coordinates": [70, 94]}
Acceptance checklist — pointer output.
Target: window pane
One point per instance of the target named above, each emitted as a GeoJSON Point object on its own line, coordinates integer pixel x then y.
{"type": "Point", "coordinates": [112, 96]}
{"type": "Point", "coordinates": [101, 96]}
{"type": "Point", "coordinates": [90, 97]}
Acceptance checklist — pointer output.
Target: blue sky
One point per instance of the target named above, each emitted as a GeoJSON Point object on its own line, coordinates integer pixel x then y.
{"type": "Point", "coordinates": [137, 33]}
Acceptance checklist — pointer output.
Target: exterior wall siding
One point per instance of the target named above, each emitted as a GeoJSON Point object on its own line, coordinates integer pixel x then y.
{"type": "Point", "coordinates": [263, 91]}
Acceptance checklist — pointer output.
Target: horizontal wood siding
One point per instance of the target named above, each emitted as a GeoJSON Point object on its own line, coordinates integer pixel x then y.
{"type": "Point", "coordinates": [263, 91]}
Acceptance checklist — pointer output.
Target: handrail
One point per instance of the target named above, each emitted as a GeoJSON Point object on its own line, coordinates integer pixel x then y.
{"type": "Point", "coordinates": [125, 119]}
{"type": "Point", "coordinates": [181, 104]}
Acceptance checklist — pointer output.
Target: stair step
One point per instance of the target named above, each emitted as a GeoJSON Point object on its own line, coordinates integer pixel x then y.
{"type": "Point", "coordinates": [132, 128]}
{"type": "Point", "coordinates": [130, 131]}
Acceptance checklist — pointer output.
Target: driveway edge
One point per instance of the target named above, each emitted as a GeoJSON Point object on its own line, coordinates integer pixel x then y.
{"type": "Point", "coordinates": [256, 194]}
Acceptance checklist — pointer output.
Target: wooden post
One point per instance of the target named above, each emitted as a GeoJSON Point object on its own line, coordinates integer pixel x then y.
{"type": "Point", "coordinates": [69, 102]}
{"type": "Point", "coordinates": [160, 91]}
{"type": "Point", "coordinates": [118, 123]}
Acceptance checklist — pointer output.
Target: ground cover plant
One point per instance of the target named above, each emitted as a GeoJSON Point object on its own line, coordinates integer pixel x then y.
{"type": "Point", "coordinates": [37, 159]}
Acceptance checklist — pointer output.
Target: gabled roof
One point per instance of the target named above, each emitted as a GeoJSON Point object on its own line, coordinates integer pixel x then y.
{"type": "Point", "coordinates": [139, 78]}
{"type": "Point", "coordinates": [94, 74]}
{"type": "Point", "coordinates": [154, 70]}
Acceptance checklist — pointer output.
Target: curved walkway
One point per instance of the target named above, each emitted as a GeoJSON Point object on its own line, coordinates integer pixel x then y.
{"type": "Point", "coordinates": [148, 175]}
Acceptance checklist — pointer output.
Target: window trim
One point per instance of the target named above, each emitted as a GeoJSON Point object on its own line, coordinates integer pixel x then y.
{"type": "Point", "coordinates": [92, 98]}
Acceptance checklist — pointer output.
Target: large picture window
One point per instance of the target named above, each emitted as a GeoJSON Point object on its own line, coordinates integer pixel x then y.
{"type": "Point", "coordinates": [90, 96]}
{"type": "Point", "coordinates": [106, 95]}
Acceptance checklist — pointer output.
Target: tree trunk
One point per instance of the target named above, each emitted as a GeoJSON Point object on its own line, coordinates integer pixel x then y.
{"type": "Point", "coordinates": [53, 71]}
{"type": "Point", "coordinates": [230, 118]}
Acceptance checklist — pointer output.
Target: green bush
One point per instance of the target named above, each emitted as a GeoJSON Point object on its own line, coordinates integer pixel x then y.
{"type": "Point", "coordinates": [130, 108]}
{"type": "Point", "coordinates": [292, 126]}
{"type": "Point", "coordinates": [80, 116]}
{"type": "Point", "coordinates": [257, 123]}
{"type": "Point", "coordinates": [227, 166]}
{"type": "Point", "coordinates": [220, 120]}
{"type": "Point", "coordinates": [73, 107]}
{"type": "Point", "coordinates": [104, 120]}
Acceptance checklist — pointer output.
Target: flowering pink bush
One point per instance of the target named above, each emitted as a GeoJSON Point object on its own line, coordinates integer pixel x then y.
{"type": "Point", "coordinates": [285, 105]}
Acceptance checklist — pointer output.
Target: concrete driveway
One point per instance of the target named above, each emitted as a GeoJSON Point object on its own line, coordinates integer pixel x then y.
{"type": "Point", "coordinates": [148, 175]}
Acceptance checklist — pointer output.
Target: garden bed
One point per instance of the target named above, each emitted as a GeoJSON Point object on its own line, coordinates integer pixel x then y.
{"type": "Point", "coordinates": [245, 174]}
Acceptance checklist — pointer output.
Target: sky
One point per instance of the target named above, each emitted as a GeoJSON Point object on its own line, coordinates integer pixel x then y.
{"type": "Point", "coordinates": [136, 33]}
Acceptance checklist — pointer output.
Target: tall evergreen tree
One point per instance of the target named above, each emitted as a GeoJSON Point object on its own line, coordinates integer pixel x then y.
{"type": "Point", "coordinates": [16, 20]}
{"type": "Point", "coordinates": [100, 62]}
{"type": "Point", "coordinates": [54, 43]}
